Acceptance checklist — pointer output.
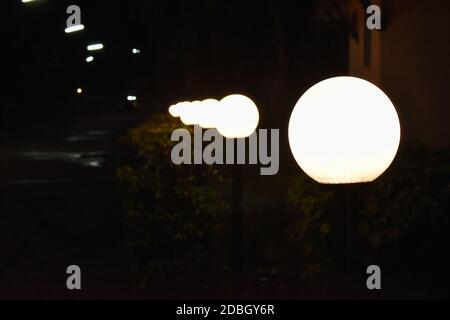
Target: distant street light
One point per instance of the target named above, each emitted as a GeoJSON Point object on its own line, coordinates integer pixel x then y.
{"type": "Point", "coordinates": [190, 113]}
{"type": "Point", "coordinates": [136, 51]}
{"type": "Point", "coordinates": [239, 117]}
{"type": "Point", "coordinates": [177, 109]}
{"type": "Point", "coordinates": [235, 117]}
{"type": "Point", "coordinates": [89, 59]}
{"type": "Point", "coordinates": [344, 131]}
{"type": "Point", "coordinates": [95, 47]}
{"type": "Point", "coordinates": [174, 110]}
{"type": "Point", "coordinates": [206, 113]}
{"type": "Point", "coordinates": [209, 115]}
{"type": "Point", "coordinates": [74, 28]}
{"type": "Point", "coordinates": [79, 91]}
{"type": "Point", "coordinates": [132, 98]}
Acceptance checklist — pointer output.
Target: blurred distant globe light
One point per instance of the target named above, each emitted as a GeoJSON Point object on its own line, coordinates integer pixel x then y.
{"type": "Point", "coordinates": [344, 130]}
{"type": "Point", "coordinates": [180, 108]}
{"type": "Point", "coordinates": [239, 117]}
{"type": "Point", "coordinates": [189, 113]}
{"type": "Point", "coordinates": [209, 114]}
{"type": "Point", "coordinates": [175, 110]}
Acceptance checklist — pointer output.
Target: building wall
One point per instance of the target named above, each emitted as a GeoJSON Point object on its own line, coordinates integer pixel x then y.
{"type": "Point", "coordinates": [357, 65]}
{"type": "Point", "coordinates": [415, 55]}
{"type": "Point", "coordinates": [410, 62]}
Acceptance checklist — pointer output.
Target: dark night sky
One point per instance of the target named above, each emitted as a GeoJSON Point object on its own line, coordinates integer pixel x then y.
{"type": "Point", "coordinates": [271, 51]}
{"type": "Point", "coordinates": [189, 50]}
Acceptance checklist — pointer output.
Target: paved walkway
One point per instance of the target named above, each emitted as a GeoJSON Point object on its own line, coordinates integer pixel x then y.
{"type": "Point", "coordinates": [58, 207]}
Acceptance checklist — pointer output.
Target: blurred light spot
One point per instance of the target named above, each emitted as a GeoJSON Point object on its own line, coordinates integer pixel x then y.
{"type": "Point", "coordinates": [136, 51]}
{"type": "Point", "coordinates": [131, 98]}
{"type": "Point", "coordinates": [94, 163]}
{"type": "Point", "coordinates": [89, 59]}
{"type": "Point", "coordinates": [76, 28]}
{"type": "Point", "coordinates": [79, 91]}
{"type": "Point", "coordinates": [94, 47]}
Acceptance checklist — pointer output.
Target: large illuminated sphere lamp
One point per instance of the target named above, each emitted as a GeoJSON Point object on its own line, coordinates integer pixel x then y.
{"type": "Point", "coordinates": [344, 130]}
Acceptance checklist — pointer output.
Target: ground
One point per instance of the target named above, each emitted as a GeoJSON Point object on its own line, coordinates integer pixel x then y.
{"type": "Point", "coordinates": [59, 207]}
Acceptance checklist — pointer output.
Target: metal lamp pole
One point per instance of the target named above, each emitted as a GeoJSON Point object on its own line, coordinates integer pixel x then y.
{"type": "Point", "coordinates": [236, 227]}
{"type": "Point", "coordinates": [236, 233]}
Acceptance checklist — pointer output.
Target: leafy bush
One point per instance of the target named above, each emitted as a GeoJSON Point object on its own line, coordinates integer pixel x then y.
{"type": "Point", "coordinates": [405, 221]}
{"type": "Point", "coordinates": [402, 223]}
{"type": "Point", "coordinates": [174, 214]}
{"type": "Point", "coordinates": [311, 231]}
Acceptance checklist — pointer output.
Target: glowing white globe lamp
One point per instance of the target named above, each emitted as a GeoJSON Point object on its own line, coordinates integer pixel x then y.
{"type": "Point", "coordinates": [210, 114]}
{"type": "Point", "coordinates": [178, 109]}
{"type": "Point", "coordinates": [239, 117]}
{"type": "Point", "coordinates": [344, 130]}
{"type": "Point", "coordinates": [189, 113]}
{"type": "Point", "coordinates": [175, 110]}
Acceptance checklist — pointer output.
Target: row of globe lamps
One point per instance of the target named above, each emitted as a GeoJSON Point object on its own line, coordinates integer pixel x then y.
{"type": "Point", "coordinates": [235, 116]}
{"type": "Point", "coordinates": [342, 131]}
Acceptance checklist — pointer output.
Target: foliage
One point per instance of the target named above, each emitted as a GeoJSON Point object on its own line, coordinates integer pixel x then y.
{"type": "Point", "coordinates": [311, 231]}
{"type": "Point", "coordinates": [402, 222]}
{"type": "Point", "coordinates": [175, 218]}
{"type": "Point", "coordinates": [174, 214]}
{"type": "Point", "coordinates": [405, 220]}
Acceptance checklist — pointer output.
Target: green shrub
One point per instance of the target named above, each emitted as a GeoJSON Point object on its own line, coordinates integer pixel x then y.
{"type": "Point", "coordinates": [405, 220]}
{"type": "Point", "coordinates": [402, 221]}
{"type": "Point", "coordinates": [311, 231]}
{"type": "Point", "coordinates": [174, 214]}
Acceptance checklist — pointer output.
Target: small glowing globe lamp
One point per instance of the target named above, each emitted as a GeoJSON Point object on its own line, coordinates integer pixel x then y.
{"type": "Point", "coordinates": [239, 117]}
{"type": "Point", "coordinates": [210, 113]}
{"type": "Point", "coordinates": [189, 113]}
{"type": "Point", "coordinates": [174, 110]}
{"type": "Point", "coordinates": [344, 130]}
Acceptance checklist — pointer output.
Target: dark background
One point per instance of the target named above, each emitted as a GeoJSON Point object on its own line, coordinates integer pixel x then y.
{"type": "Point", "coordinates": [195, 50]}
{"type": "Point", "coordinates": [70, 162]}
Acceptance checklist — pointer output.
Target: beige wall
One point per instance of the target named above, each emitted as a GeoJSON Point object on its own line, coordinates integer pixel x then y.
{"type": "Point", "coordinates": [410, 62]}
{"type": "Point", "coordinates": [415, 68]}
{"type": "Point", "coordinates": [356, 52]}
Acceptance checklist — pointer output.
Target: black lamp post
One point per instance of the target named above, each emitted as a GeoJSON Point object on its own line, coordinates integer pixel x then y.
{"type": "Point", "coordinates": [237, 234]}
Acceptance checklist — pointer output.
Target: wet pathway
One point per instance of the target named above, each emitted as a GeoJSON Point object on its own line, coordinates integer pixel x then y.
{"type": "Point", "coordinates": [58, 207]}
